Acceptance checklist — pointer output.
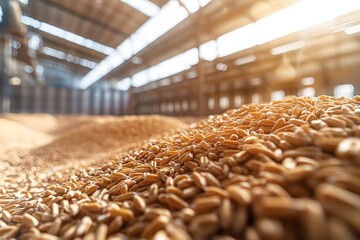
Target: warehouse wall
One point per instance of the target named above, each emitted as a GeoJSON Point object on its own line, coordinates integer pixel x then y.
{"type": "Point", "coordinates": [220, 93]}
{"type": "Point", "coordinates": [61, 100]}
{"type": "Point", "coordinates": [319, 67]}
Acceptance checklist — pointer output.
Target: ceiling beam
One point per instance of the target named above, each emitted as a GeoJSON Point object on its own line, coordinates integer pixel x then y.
{"type": "Point", "coordinates": [84, 17]}
{"type": "Point", "coordinates": [183, 36]}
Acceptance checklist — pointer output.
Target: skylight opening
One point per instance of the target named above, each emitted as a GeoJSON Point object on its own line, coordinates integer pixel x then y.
{"type": "Point", "coordinates": [25, 2]}
{"type": "Point", "coordinates": [288, 47]}
{"type": "Point", "coordinates": [30, 22]}
{"type": "Point", "coordinates": [277, 25]}
{"type": "Point", "coordinates": [115, 59]}
{"type": "Point", "coordinates": [352, 30]}
{"type": "Point", "coordinates": [167, 68]}
{"type": "Point", "coordinates": [285, 22]}
{"type": "Point", "coordinates": [237, 40]}
{"type": "Point", "coordinates": [68, 36]}
{"type": "Point", "coordinates": [291, 19]}
{"type": "Point", "coordinates": [174, 65]}
{"type": "Point", "coordinates": [68, 57]}
{"type": "Point", "coordinates": [50, 29]}
{"type": "Point", "coordinates": [208, 50]}
{"type": "Point", "coordinates": [245, 60]}
{"type": "Point", "coordinates": [140, 78]}
{"type": "Point", "coordinates": [203, 3]}
{"type": "Point", "coordinates": [125, 49]}
{"type": "Point", "coordinates": [191, 5]}
{"type": "Point", "coordinates": [167, 18]}
{"type": "Point", "coordinates": [123, 84]}
{"type": "Point", "coordinates": [144, 6]}
{"type": "Point", "coordinates": [54, 53]}
{"type": "Point", "coordinates": [71, 37]}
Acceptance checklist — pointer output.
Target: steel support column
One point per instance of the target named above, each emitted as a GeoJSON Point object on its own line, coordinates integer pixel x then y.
{"type": "Point", "coordinates": [4, 75]}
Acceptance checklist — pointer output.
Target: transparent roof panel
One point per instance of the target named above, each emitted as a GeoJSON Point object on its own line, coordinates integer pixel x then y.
{"type": "Point", "coordinates": [66, 35]}
{"type": "Point", "coordinates": [144, 6]}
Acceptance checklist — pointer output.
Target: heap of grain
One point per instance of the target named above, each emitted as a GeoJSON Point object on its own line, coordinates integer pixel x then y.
{"type": "Point", "coordinates": [288, 169]}
{"type": "Point", "coordinates": [88, 143]}
{"type": "Point", "coordinates": [40, 122]}
{"type": "Point", "coordinates": [104, 135]}
{"type": "Point", "coordinates": [13, 134]}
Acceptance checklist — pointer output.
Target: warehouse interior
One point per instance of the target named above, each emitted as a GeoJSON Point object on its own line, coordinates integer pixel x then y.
{"type": "Point", "coordinates": [176, 57]}
{"type": "Point", "coordinates": [180, 119]}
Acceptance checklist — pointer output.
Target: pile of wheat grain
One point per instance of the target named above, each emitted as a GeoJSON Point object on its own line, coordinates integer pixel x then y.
{"type": "Point", "coordinates": [104, 135]}
{"type": "Point", "coordinates": [13, 134]}
{"type": "Point", "coordinates": [41, 122]}
{"type": "Point", "coordinates": [88, 143]}
{"type": "Point", "coordinates": [288, 169]}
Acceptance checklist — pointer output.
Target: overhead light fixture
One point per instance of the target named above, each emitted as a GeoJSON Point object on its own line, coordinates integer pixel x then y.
{"type": "Point", "coordinates": [15, 44]}
{"type": "Point", "coordinates": [136, 60]}
{"type": "Point", "coordinates": [66, 35]}
{"type": "Point", "coordinates": [35, 41]}
{"type": "Point", "coordinates": [222, 67]}
{"type": "Point", "coordinates": [1, 14]}
{"type": "Point", "coordinates": [285, 71]}
{"type": "Point", "coordinates": [177, 78]}
{"type": "Point", "coordinates": [14, 81]}
{"type": "Point", "coordinates": [144, 6]}
{"type": "Point", "coordinates": [28, 69]}
{"type": "Point", "coordinates": [192, 74]}
{"type": "Point", "coordinates": [288, 47]}
{"type": "Point", "coordinates": [165, 82]}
